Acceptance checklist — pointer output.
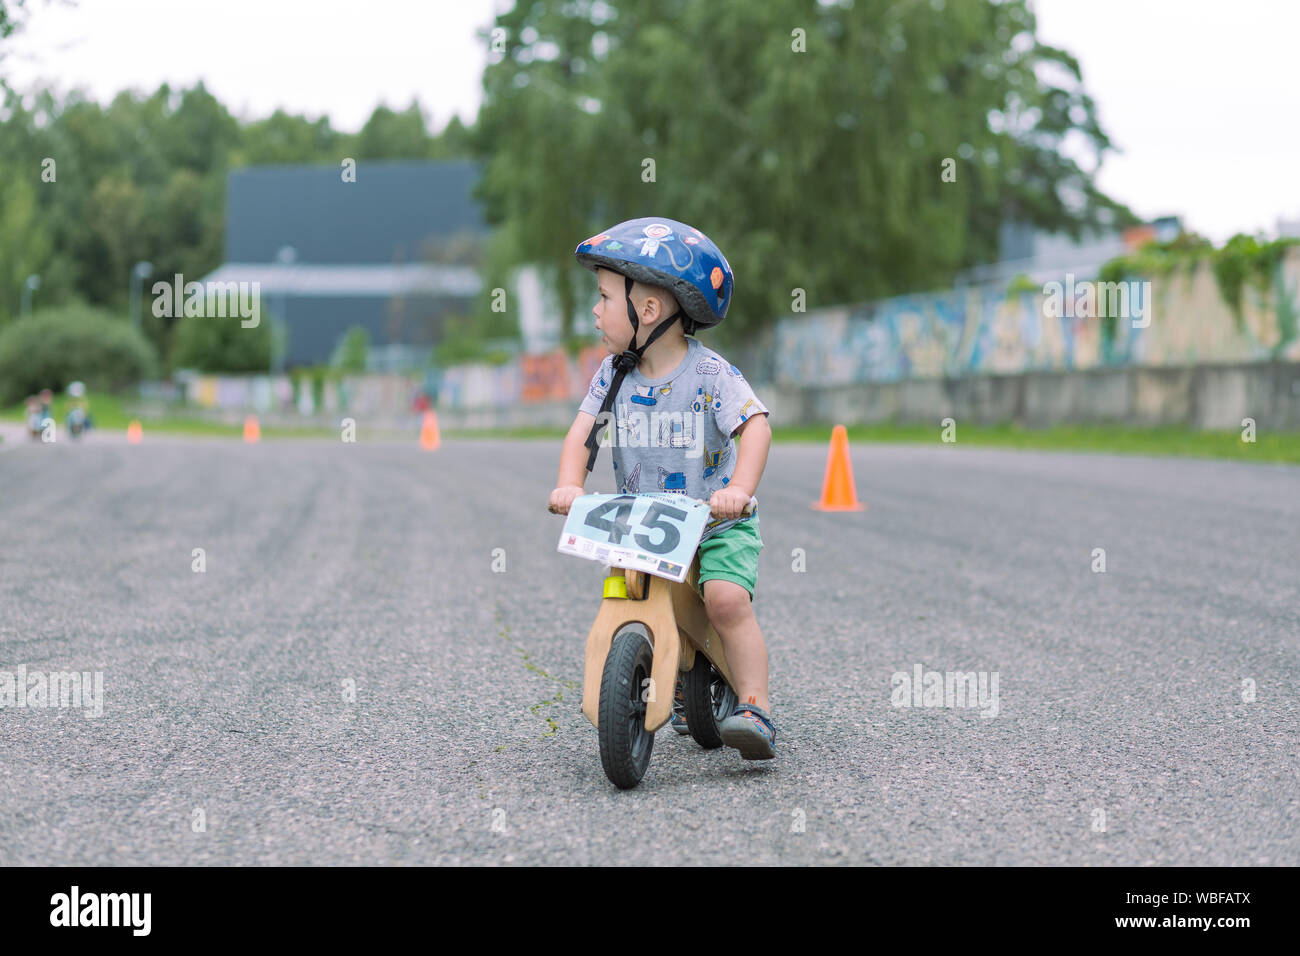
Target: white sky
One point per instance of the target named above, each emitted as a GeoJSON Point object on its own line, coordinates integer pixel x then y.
{"type": "Point", "coordinates": [1201, 95]}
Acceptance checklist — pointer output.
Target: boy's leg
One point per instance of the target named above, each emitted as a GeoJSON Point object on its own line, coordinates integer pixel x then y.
{"type": "Point", "coordinates": [728, 574]}
{"type": "Point", "coordinates": [732, 614]}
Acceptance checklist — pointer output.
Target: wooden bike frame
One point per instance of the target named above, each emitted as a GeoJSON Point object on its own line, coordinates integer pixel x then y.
{"type": "Point", "coordinates": [673, 615]}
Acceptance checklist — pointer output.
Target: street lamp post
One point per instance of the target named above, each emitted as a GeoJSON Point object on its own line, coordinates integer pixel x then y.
{"type": "Point", "coordinates": [139, 272]}
{"type": "Point", "coordinates": [287, 256]}
{"type": "Point", "coordinates": [30, 285]}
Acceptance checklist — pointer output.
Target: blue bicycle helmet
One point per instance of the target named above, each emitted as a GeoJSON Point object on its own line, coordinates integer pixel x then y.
{"type": "Point", "coordinates": [665, 253]}
{"type": "Point", "coordinates": [671, 254]}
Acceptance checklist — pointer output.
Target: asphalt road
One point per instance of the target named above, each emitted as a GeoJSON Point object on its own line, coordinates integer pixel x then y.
{"type": "Point", "coordinates": [1121, 736]}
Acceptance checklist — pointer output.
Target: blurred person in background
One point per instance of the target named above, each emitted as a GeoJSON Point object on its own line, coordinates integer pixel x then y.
{"type": "Point", "coordinates": [78, 412]}
{"type": "Point", "coordinates": [34, 416]}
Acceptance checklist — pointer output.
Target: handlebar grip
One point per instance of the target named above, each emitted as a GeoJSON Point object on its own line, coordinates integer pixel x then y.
{"type": "Point", "coordinates": [747, 510]}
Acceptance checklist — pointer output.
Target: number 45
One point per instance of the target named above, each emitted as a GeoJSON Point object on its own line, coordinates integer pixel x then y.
{"type": "Point", "coordinates": [618, 527]}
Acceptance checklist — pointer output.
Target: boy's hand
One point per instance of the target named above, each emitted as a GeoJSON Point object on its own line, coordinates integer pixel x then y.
{"type": "Point", "coordinates": [728, 502]}
{"type": "Point", "coordinates": [562, 498]}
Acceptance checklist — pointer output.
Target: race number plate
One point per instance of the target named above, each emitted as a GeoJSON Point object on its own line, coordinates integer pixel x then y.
{"type": "Point", "coordinates": [655, 533]}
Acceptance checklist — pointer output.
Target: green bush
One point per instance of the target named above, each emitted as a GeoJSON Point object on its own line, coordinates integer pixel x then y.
{"type": "Point", "coordinates": [313, 378]}
{"type": "Point", "coordinates": [1019, 285]}
{"type": "Point", "coordinates": [352, 352]}
{"type": "Point", "coordinates": [1242, 259]}
{"type": "Point", "coordinates": [1245, 258]}
{"type": "Point", "coordinates": [212, 343]}
{"type": "Point", "coordinates": [55, 346]}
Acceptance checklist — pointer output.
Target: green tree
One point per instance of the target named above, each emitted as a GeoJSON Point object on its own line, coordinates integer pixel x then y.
{"type": "Point", "coordinates": [10, 18]}
{"type": "Point", "coordinates": [283, 138]}
{"type": "Point", "coordinates": [25, 240]}
{"type": "Point", "coordinates": [820, 170]}
{"type": "Point", "coordinates": [455, 141]}
{"type": "Point", "coordinates": [144, 179]}
{"type": "Point", "coordinates": [212, 344]}
{"type": "Point", "coordinates": [390, 135]}
{"type": "Point", "coordinates": [353, 350]}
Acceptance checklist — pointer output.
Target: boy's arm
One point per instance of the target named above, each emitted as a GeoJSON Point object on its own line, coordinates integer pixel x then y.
{"type": "Point", "coordinates": [754, 439]}
{"type": "Point", "coordinates": [573, 454]}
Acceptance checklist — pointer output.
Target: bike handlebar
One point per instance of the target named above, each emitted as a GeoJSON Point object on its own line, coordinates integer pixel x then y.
{"type": "Point", "coordinates": [747, 510]}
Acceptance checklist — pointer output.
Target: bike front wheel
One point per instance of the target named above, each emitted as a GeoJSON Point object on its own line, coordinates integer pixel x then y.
{"type": "Point", "coordinates": [625, 744]}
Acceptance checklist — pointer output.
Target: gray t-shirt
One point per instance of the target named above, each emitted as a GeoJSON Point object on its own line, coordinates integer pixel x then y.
{"type": "Point", "coordinates": [673, 433]}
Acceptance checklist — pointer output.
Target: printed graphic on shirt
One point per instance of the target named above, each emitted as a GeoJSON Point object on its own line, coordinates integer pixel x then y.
{"type": "Point", "coordinates": [633, 483]}
{"type": "Point", "coordinates": [705, 402]}
{"type": "Point", "coordinates": [650, 394]}
{"type": "Point", "coordinates": [629, 427]}
{"type": "Point", "coordinates": [749, 408]}
{"type": "Point", "coordinates": [672, 481]}
{"type": "Point", "coordinates": [676, 431]}
{"type": "Point", "coordinates": [713, 460]}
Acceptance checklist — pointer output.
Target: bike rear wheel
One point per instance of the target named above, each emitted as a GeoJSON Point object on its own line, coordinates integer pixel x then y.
{"type": "Point", "coordinates": [709, 701]}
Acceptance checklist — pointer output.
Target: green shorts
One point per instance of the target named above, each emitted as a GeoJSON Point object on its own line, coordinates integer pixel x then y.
{"type": "Point", "coordinates": [732, 556]}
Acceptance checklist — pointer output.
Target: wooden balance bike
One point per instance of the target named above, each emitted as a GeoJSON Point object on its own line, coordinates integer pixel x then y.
{"type": "Point", "coordinates": [649, 629]}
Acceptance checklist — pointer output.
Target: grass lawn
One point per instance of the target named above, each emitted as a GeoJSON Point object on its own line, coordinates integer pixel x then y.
{"type": "Point", "coordinates": [1120, 440]}
{"type": "Point", "coordinates": [111, 414]}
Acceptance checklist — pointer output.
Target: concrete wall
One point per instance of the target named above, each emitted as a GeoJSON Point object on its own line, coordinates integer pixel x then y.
{"type": "Point", "coordinates": [1204, 397]}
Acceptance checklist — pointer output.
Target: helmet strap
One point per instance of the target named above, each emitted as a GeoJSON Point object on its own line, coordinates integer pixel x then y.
{"type": "Point", "coordinates": [624, 363]}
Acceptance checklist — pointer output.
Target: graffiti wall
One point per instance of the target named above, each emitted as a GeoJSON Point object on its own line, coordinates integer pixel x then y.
{"type": "Point", "coordinates": [479, 386]}
{"type": "Point", "coordinates": [545, 377]}
{"type": "Point", "coordinates": [1177, 320]}
{"type": "Point", "coordinates": [373, 395]}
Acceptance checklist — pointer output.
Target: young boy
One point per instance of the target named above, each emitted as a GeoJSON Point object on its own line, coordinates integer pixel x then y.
{"type": "Point", "coordinates": [658, 282]}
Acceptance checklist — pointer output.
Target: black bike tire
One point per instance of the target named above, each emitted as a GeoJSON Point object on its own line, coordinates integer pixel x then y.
{"type": "Point", "coordinates": [701, 714]}
{"type": "Point", "coordinates": [625, 755]}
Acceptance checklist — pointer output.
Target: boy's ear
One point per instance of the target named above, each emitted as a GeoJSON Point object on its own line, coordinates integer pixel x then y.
{"type": "Point", "coordinates": [658, 307]}
{"type": "Point", "coordinates": [646, 311]}
{"type": "Point", "coordinates": [659, 296]}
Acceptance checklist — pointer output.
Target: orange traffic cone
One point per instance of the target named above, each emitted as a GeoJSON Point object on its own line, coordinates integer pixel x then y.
{"type": "Point", "coordinates": [838, 493]}
{"type": "Point", "coordinates": [252, 432]}
{"type": "Point", "coordinates": [429, 439]}
{"type": "Point", "coordinates": [134, 432]}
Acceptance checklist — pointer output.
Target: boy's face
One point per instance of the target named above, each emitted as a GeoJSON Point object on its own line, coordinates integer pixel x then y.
{"type": "Point", "coordinates": [610, 310]}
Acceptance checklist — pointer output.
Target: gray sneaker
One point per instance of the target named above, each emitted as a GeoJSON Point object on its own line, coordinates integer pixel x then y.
{"type": "Point", "coordinates": [749, 729]}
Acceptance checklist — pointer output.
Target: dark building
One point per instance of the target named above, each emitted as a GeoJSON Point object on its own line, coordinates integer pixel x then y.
{"type": "Point", "coordinates": [393, 252]}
